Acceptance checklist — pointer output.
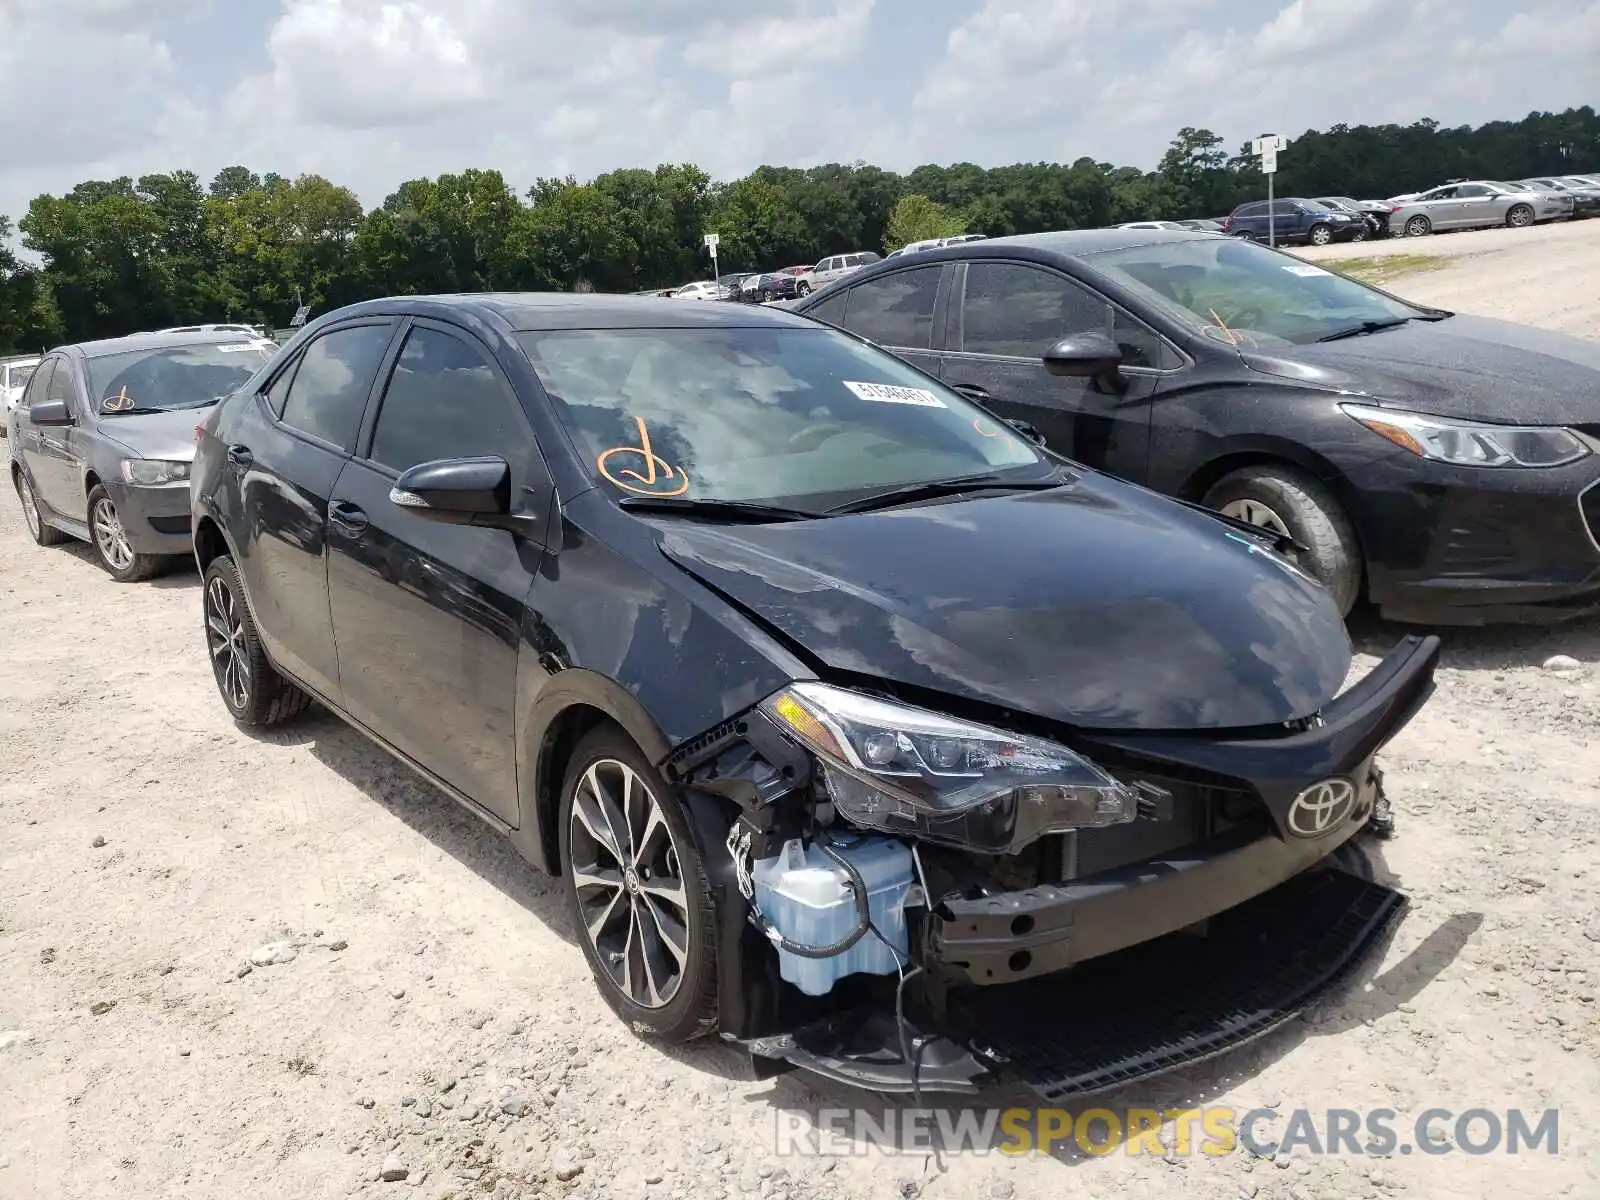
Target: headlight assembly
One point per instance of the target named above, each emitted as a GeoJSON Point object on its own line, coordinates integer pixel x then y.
{"type": "Point", "coordinates": [917, 773]}
{"type": "Point", "coordinates": [1470, 443]}
{"type": "Point", "coordinates": [152, 471]}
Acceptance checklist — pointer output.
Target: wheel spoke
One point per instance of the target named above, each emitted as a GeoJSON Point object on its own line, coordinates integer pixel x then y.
{"type": "Point", "coordinates": [671, 934]}
{"type": "Point", "coordinates": [590, 810]}
{"type": "Point", "coordinates": [653, 831]}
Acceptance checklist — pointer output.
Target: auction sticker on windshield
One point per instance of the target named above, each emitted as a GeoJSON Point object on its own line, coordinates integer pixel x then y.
{"type": "Point", "coordinates": [885, 393]}
{"type": "Point", "coordinates": [1306, 270]}
{"type": "Point", "coordinates": [238, 347]}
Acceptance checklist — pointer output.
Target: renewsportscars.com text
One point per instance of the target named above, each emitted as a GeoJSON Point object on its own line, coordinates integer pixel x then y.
{"type": "Point", "coordinates": [1212, 1130]}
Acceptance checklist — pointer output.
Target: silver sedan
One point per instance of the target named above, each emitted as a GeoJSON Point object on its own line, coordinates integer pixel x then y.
{"type": "Point", "coordinates": [1474, 204]}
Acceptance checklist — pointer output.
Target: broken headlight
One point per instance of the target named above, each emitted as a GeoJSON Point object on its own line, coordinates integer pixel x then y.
{"type": "Point", "coordinates": [920, 774]}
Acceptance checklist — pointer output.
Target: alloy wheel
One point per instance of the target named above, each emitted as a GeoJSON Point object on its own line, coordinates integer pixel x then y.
{"type": "Point", "coordinates": [30, 507]}
{"type": "Point", "coordinates": [629, 882]}
{"type": "Point", "coordinates": [111, 537]}
{"type": "Point", "coordinates": [1256, 513]}
{"type": "Point", "coordinates": [230, 655]}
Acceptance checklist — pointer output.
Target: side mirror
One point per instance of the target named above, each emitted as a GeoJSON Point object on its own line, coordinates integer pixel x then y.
{"type": "Point", "coordinates": [1027, 431]}
{"type": "Point", "coordinates": [456, 491]}
{"type": "Point", "coordinates": [1090, 355]}
{"type": "Point", "coordinates": [48, 413]}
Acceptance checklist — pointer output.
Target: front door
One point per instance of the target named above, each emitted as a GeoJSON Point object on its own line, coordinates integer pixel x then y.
{"type": "Point", "coordinates": [55, 464]}
{"type": "Point", "coordinates": [428, 616]}
{"type": "Point", "coordinates": [1007, 315]}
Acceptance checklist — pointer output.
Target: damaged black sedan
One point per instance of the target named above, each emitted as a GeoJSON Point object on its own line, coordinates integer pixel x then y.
{"type": "Point", "coordinates": [864, 732]}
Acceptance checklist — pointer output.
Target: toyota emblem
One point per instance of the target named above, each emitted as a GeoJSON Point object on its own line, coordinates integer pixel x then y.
{"type": "Point", "coordinates": [1321, 807]}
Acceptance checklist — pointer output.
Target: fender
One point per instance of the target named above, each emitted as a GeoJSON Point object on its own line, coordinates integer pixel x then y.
{"type": "Point", "coordinates": [567, 689]}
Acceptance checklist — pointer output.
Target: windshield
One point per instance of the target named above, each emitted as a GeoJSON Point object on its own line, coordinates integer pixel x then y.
{"type": "Point", "coordinates": [803, 417]}
{"type": "Point", "coordinates": [170, 377]}
{"type": "Point", "coordinates": [1243, 294]}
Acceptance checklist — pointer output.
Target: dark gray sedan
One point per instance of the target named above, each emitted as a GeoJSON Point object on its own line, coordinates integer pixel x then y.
{"type": "Point", "coordinates": [102, 440]}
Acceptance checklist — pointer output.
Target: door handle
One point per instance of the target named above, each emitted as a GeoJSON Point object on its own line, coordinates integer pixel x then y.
{"type": "Point", "coordinates": [240, 456]}
{"type": "Point", "coordinates": [347, 516]}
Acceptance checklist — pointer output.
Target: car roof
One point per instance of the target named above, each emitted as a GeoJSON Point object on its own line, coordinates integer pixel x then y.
{"type": "Point", "coordinates": [152, 341]}
{"type": "Point", "coordinates": [1074, 243]}
{"type": "Point", "coordinates": [531, 311]}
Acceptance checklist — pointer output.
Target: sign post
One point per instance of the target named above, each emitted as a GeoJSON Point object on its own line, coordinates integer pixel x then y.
{"type": "Point", "coordinates": [1267, 147]}
{"type": "Point", "coordinates": [713, 240]}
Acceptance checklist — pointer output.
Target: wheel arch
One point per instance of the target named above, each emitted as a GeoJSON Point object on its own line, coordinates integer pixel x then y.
{"type": "Point", "coordinates": [1276, 452]}
{"type": "Point", "coordinates": [574, 702]}
{"type": "Point", "coordinates": [210, 543]}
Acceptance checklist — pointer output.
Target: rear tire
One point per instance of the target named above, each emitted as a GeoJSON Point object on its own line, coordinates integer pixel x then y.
{"type": "Point", "coordinates": [1244, 235]}
{"type": "Point", "coordinates": [656, 878]}
{"type": "Point", "coordinates": [44, 535]}
{"type": "Point", "coordinates": [1287, 500]}
{"type": "Point", "coordinates": [1520, 216]}
{"type": "Point", "coordinates": [802, 289]}
{"type": "Point", "coordinates": [256, 695]}
{"type": "Point", "coordinates": [1418, 227]}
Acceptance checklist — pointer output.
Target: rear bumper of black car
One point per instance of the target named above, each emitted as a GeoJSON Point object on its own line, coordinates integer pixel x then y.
{"type": "Point", "coordinates": [1002, 960]}
{"type": "Point", "coordinates": [1471, 546]}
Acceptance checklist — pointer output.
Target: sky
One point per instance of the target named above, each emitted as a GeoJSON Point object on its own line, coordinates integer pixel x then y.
{"type": "Point", "coordinates": [372, 92]}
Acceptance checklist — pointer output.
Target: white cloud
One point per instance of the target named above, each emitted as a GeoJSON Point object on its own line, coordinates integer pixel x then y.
{"type": "Point", "coordinates": [372, 92]}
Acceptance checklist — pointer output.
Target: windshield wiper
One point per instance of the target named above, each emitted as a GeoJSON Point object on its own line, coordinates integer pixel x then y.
{"type": "Point", "coordinates": [935, 488]}
{"type": "Point", "coordinates": [1365, 327]}
{"type": "Point", "coordinates": [727, 510]}
{"type": "Point", "coordinates": [137, 410]}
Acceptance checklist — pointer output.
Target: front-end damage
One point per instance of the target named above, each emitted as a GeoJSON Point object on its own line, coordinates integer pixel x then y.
{"type": "Point", "coordinates": [910, 902]}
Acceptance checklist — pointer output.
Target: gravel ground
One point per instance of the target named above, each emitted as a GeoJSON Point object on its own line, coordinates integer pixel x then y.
{"type": "Point", "coordinates": [1548, 275]}
{"type": "Point", "coordinates": [282, 966]}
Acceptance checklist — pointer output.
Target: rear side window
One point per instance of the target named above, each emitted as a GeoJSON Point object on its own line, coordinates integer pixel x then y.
{"type": "Point", "coordinates": [1021, 311]}
{"type": "Point", "coordinates": [895, 310]}
{"type": "Point", "coordinates": [1250, 210]}
{"type": "Point", "coordinates": [332, 382]}
{"type": "Point", "coordinates": [445, 400]}
{"type": "Point", "coordinates": [830, 310]}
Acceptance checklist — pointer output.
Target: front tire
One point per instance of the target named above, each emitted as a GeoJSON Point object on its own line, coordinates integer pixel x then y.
{"type": "Point", "coordinates": [1320, 235]}
{"type": "Point", "coordinates": [44, 535]}
{"type": "Point", "coordinates": [256, 695]}
{"type": "Point", "coordinates": [110, 541]}
{"type": "Point", "coordinates": [1418, 227]}
{"type": "Point", "coordinates": [1520, 216]}
{"type": "Point", "coordinates": [636, 890]}
{"type": "Point", "coordinates": [1285, 500]}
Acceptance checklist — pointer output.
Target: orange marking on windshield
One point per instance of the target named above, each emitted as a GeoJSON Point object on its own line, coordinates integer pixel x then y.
{"type": "Point", "coordinates": [118, 402]}
{"type": "Point", "coordinates": [652, 482]}
{"type": "Point", "coordinates": [1223, 325]}
{"type": "Point", "coordinates": [978, 425]}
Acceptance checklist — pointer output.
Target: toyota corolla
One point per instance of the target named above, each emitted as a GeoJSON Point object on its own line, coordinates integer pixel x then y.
{"type": "Point", "coordinates": [863, 732]}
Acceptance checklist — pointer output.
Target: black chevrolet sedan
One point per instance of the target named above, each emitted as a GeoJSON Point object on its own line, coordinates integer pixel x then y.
{"type": "Point", "coordinates": [1442, 465]}
{"type": "Point", "coordinates": [842, 709]}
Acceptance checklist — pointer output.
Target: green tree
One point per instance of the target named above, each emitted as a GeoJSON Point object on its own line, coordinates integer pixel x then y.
{"type": "Point", "coordinates": [915, 218]}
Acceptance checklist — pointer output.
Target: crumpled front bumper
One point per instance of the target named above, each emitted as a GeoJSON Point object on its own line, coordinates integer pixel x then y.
{"type": "Point", "coordinates": [1012, 936]}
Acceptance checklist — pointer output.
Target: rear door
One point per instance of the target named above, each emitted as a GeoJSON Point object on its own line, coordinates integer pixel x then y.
{"type": "Point", "coordinates": [897, 312]}
{"type": "Point", "coordinates": [1005, 315]}
{"type": "Point", "coordinates": [428, 616]}
{"type": "Point", "coordinates": [284, 452]}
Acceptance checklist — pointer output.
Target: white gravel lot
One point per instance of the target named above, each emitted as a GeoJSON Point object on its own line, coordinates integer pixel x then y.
{"type": "Point", "coordinates": [435, 1016]}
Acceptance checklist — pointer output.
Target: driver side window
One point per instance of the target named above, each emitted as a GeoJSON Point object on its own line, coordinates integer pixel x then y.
{"type": "Point", "coordinates": [39, 385]}
{"type": "Point", "coordinates": [60, 385]}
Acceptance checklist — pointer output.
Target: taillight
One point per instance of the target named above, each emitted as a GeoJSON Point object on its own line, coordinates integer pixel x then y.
{"type": "Point", "coordinates": [199, 433]}
{"type": "Point", "coordinates": [1227, 221]}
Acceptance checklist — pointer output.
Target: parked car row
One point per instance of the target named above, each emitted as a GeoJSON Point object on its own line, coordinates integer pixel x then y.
{"type": "Point", "coordinates": [1476, 204]}
{"type": "Point", "coordinates": [832, 697]}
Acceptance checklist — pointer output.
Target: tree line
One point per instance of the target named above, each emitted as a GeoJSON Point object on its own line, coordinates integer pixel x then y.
{"type": "Point", "coordinates": [127, 254]}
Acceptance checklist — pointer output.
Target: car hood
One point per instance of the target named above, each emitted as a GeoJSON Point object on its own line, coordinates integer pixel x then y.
{"type": "Point", "coordinates": [1097, 604]}
{"type": "Point", "coordinates": [167, 435]}
{"type": "Point", "coordinates": [1469, 367]}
